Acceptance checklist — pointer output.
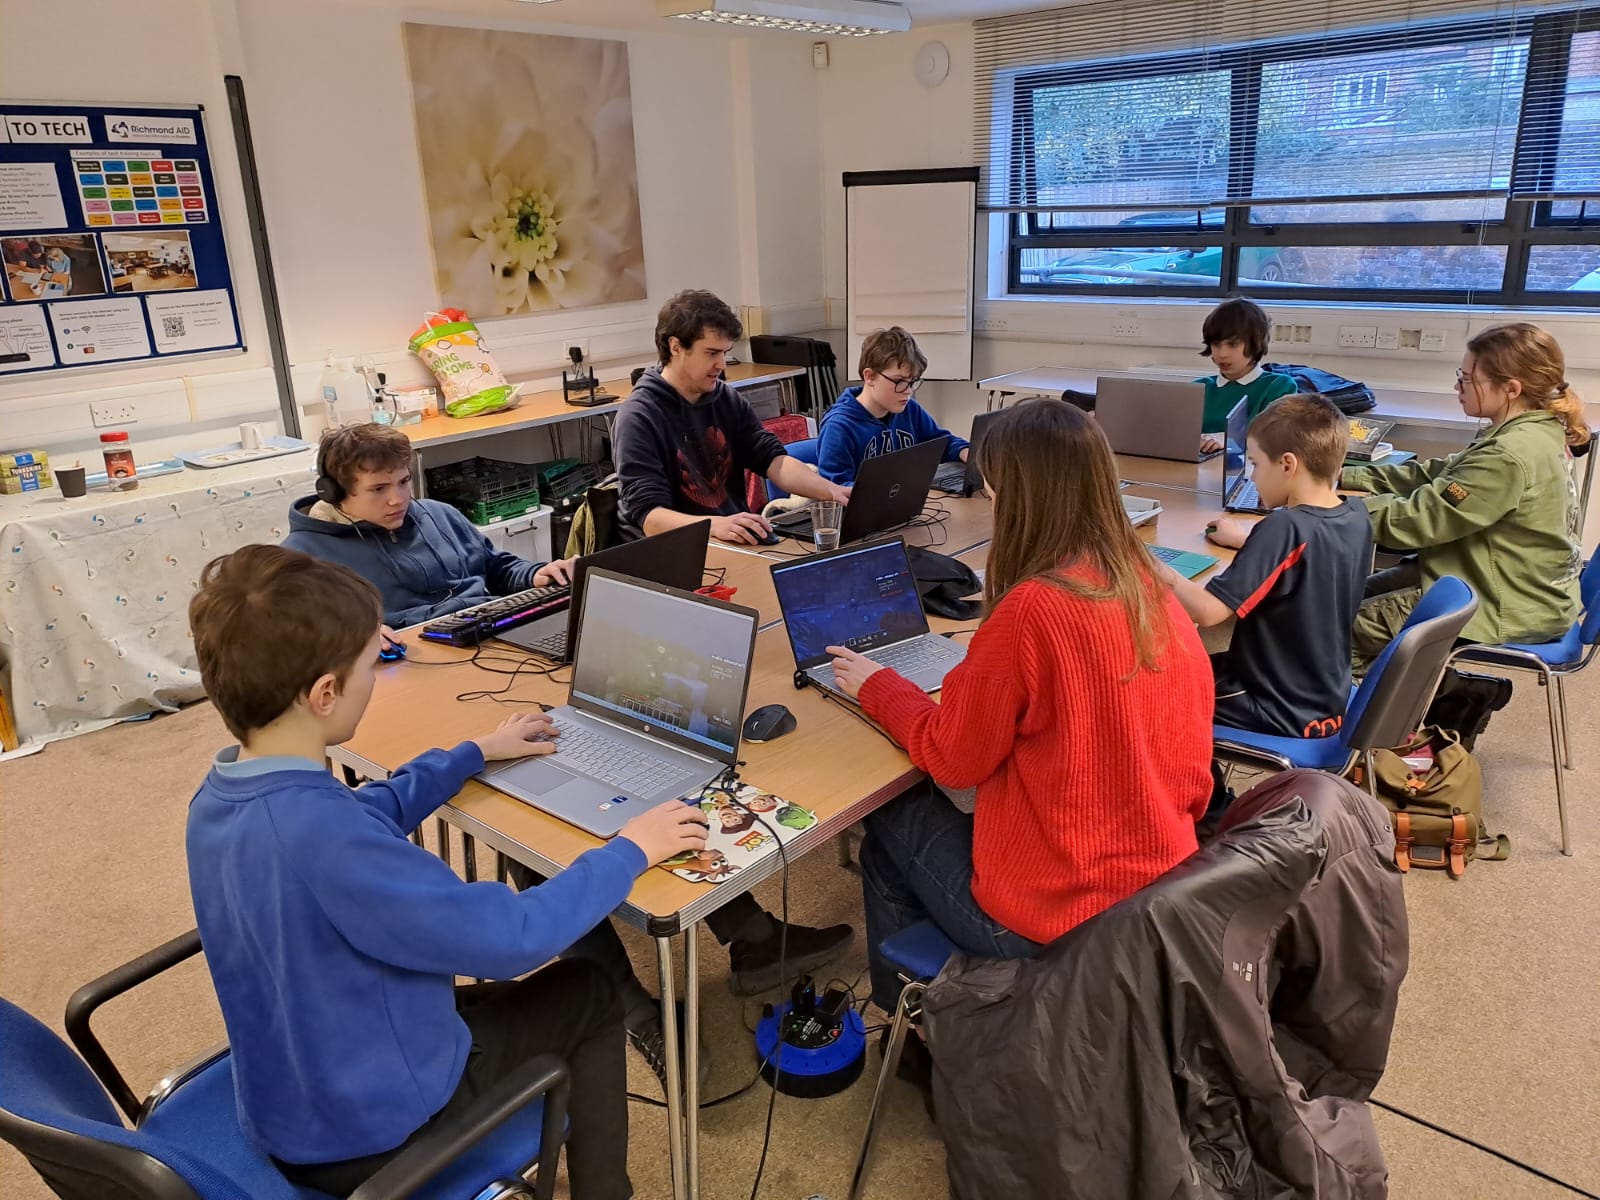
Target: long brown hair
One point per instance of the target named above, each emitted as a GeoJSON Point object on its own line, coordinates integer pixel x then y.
{"type": "Point", "coordinates": [1533, 358]}
{"type": "Point", "coordinates": [1058, 506]}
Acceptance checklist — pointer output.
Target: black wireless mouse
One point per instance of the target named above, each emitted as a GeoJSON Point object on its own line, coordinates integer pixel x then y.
{"type": "Point", "coordinates": [768, 723]}
{"type": "Point", "coordinates": [772, 538]}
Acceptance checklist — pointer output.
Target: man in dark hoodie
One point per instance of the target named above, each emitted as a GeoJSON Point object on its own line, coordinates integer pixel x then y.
{"type": "Point", "coordinates": [684, 439]}
{"type": "Point", "coordinates": [427, 560]}
{"type": "Point", "coordinates": [424, 557]}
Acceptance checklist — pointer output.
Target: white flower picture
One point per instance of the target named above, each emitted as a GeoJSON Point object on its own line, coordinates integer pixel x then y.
{"type": "Point", "coordinates": [528, 163]}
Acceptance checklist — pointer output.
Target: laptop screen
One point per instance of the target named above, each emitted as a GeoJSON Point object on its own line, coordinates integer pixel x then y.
{"type": "Point", "coordinates": [860, 599]}
{"type": "Point", "coordinates": [1235, 466]}
{"type": "Point", "coordinates": [664, 662]}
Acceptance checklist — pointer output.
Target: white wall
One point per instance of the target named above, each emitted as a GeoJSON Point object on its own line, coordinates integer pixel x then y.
{"type": "Point", "coordinates": [331, 117]}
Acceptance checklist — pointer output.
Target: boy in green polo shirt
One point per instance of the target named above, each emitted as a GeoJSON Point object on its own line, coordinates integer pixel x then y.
{"type": "Point", "coordinates": [1236, 333]}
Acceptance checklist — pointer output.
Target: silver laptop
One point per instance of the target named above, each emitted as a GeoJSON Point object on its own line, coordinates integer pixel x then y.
{"type": "Point", "coordinates": [655, 707]}
{"type": "Point", "coordinates": [1152, 418]}
{"type": "Point", "coordinates": [865, 599]}
{"type": "Point", "coordinates": [1239, 492]}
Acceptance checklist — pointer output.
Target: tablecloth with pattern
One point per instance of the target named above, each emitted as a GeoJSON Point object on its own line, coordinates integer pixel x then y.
{"type": "Point", "coordinates": [94, 592]}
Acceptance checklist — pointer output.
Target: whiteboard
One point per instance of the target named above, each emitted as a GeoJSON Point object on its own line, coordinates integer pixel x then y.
{"type": "Point", "coordinates": [909, 261]}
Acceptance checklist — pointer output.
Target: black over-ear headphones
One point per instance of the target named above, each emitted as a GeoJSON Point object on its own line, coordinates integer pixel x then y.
{"type": "Point", "coordinates": [327, 487]}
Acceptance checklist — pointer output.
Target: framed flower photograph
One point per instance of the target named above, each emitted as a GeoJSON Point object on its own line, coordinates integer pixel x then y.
{"type": "Point", "coordinates": [528, 165]}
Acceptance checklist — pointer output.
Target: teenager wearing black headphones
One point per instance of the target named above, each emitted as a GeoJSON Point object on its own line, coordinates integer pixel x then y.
{"type": "Point", "coordinates": [423, 556]}
{"type": "Point", "coordinates": [427, 560]}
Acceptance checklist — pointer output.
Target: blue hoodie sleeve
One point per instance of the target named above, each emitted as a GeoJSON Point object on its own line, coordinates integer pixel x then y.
{"type": "Point", "coordinates": [422, 785]}
{"type": "Point", "coordinates": [841, 445]}
{"type": "Point", "coordinates": [505, 573]}
{"type": "Point", "coordinates": [924, 429]}
{"type": "Point", "coordinates": [401, 905]}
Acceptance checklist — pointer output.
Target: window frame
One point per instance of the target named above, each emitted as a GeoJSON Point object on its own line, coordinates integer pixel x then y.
{"type": "Point", "coordinates": [1527, 224]}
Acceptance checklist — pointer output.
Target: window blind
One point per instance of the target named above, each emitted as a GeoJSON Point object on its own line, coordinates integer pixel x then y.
{"type": "Point", "coordinates": [1152, 106]}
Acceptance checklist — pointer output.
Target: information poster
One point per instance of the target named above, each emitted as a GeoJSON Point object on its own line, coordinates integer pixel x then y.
{"type": "Point", "coordinates": [110, 247]}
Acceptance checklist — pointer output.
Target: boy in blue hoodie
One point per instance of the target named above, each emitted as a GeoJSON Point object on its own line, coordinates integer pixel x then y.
{"type": "Point", "coordinates": [881, 416]}
{"type": "Point", "coordinates": [334, 942]}
{"type": "Point", "coordinates": [424, 557]}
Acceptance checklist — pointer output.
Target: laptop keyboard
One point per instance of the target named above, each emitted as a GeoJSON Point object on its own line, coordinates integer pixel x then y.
{"type": "Point", "coordinates": [910, 657]}
{"type": "Point", "coordinates": [1246, 497]}
{"type": "Point", "coordinates": [552, 645]}
{"type": "Point", "coordinates": [623, 765]}
{"type": "Point", "coordinates": [1165, 553]}
{"type": "Point", "coordinates": [951, 477]}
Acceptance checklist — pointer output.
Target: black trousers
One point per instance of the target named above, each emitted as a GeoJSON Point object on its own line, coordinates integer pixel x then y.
{"type": "Point", "coordinates": [570, 1009]}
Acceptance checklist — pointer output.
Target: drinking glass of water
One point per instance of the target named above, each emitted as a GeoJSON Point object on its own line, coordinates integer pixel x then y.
{"type": "Point", "coordinates": [826, 516]}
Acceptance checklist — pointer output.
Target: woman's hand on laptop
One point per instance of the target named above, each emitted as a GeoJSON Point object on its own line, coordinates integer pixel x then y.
{"type": "Point", "coordinates": [519, 736]}
{"type": "Point", "coordinates": [741, 528]}
{"type": "Point", "coordinates": [559, 571]}
{"type": "Point", "coordinates": [851, 670]}
{"type": "Point", "coordinates": [667, 830]}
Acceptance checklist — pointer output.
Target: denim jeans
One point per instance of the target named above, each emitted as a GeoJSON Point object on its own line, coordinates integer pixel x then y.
{"type": "Point", "coordinates": [916, 865]}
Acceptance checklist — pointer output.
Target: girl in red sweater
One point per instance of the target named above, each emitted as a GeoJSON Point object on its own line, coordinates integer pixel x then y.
{"type": "Point", "coordinates": [1082, 716]}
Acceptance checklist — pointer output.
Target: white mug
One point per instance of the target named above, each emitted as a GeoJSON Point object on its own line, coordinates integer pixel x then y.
{"type": "Point", "coordinates": [253, 433]}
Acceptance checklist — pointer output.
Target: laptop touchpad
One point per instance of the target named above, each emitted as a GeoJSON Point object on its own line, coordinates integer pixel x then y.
{"type": "Point", "coordinates": [536, 777]}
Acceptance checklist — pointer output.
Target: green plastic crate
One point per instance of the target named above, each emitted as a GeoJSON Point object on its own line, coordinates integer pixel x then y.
{"type": "Point", "coordinates": [486, 489]}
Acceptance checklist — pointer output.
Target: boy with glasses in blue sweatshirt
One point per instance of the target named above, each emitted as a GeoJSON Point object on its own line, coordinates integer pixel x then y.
{"type": "Point", "coordinates": [334, 942]}
{"type": "Point", "coordinates": [882, 415]}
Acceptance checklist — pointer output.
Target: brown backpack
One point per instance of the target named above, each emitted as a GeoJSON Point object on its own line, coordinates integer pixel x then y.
{"type": "Point", "coordinates": [1437, 810]}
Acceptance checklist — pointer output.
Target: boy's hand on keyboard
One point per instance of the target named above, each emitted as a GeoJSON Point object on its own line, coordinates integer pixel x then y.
{"type": "Point", "coordinates": [559, 571]}
{"type": "Point", "coordinates": [666, 830]}
{"type": "Point", "coordinates": [851, 670]}
{"type": "Point", "coordinates": [519, 736]}
{"type": "Point", "coordinates": [1210, 443]}
{"type": "Point", "coordinates": [1230, 531]}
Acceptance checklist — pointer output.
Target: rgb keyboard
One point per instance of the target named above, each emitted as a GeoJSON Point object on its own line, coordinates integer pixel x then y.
{"type": "Point", "coordinates": [482, 621]}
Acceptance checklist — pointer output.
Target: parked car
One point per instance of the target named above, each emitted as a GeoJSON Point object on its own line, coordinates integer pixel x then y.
{"type": "Point", "coordinates": [1266, 264]}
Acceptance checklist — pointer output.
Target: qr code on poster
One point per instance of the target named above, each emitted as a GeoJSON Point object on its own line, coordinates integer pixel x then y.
{"type": "Point", "coordinates": [172, 327]}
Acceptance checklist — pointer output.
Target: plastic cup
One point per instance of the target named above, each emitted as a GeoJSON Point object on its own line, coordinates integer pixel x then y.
{"type": "Point", "coordinates": [73, 481]}
{"type": "Point", "coordinates": [826, 517]}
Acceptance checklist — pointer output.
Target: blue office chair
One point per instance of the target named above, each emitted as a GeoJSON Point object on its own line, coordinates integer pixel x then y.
{"type": "Point", "coordinates": [804, 451]}
{"type": "Point", "coordinates": [186, 1143]}
{"type": "Point", "coordinates": [1552, 662]}
{"type": "Point", "coordinates": [917, 954]}
{"type": "Point", "coordinates": [1388, 704]}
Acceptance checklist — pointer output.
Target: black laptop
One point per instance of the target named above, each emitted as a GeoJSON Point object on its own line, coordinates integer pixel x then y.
{"type": "Point", "coordinates": [676, 558]}
{"type": "Point", "coordinates": [1239, 494]}
{"type": "Point", "coordinates": [964, 478]}
{"type": "Point", "coordinates": [890, 489]}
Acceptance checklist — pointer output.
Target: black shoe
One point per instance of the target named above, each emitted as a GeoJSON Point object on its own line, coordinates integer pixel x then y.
{"type": "Point", "coordinates": [1465, 703]}
{"type": "Point", "coordinates": [755, 964]}
{"type": "Point", "coordinates": [645, 1036]}
{"type": "Point", "coordinates": [915, 1066]}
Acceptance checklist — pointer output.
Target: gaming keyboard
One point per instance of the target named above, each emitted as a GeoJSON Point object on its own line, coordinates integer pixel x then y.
{"type": "Point", "coordinates": [473, 625]}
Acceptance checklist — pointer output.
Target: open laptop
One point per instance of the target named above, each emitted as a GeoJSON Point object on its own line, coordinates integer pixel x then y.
{"type": "Point", "coordinates": [654, 710]}
{"type": "Point", "coordinates": [1152, 418]}
{"type": "Point", "coordinates": [890, 489]}
{"type": "Point", "coordinates": [964, 479]}
{"type": "Point", "coordinates": [1187, 563]}
{"type": "Point", "coordinates": [676, 558]}
{"type": "Point", "coordinates": [864, 598]}
{"type": "Point", "coordinates": [1239, 494]}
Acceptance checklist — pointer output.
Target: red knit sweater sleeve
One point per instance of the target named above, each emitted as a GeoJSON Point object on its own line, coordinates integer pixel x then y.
{"type": "Point", "coordinates": [961, 740]}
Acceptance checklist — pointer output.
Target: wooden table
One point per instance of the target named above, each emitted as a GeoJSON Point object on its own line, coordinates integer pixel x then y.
{"type": "Point", "coordinates": [548, 407]}
{"type": "Point", "coordinates": [661, 904]}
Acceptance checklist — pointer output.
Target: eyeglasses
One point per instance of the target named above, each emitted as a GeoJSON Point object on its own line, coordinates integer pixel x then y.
{"type": "Point", "coordinates": [1464, 381]}
{"type": "Point", "coordinates": [902, 386]}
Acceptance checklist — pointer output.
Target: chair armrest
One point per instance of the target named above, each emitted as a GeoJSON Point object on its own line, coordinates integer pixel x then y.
{"type": "Point", "coordinates": [84, 1001]}
{"type": "Point", "coordinates": [545, 1075]}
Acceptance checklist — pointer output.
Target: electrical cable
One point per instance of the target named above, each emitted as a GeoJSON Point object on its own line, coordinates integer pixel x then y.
{"type": "Point", "coordinates": [1489, 1150]}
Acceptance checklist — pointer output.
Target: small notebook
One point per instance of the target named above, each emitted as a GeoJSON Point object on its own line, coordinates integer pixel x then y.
{"type": "Point", "coordinates": [737, 838]}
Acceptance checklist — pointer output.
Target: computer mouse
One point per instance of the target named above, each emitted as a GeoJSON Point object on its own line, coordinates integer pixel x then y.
{"type": "Point", "coordinates": [772, 538]}
{"type": "Point", "coordinates": [392, 651]}
{"type": "Point", "coordinates": [768, 723]}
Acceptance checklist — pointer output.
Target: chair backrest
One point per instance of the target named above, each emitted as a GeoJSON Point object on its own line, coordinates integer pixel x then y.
{"type": "Point", "coordinates": [54, 1111]}
{"type": "Point", "coordinates": [1401, 681]}
{"type": "Point", "coordinates": [1589, 595]}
